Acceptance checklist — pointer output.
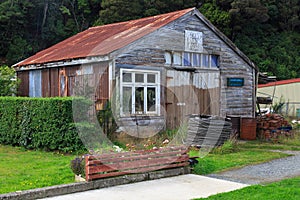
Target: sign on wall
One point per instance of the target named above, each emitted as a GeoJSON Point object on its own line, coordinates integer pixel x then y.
{"type": "Point", "coordinates": [235, 82]}
{"type": "Point", "coordinates": [193, 41]}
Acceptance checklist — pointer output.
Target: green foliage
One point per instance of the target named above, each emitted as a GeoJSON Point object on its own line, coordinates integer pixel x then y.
{"type": "Point", "coordinates": [229, 146]}
{"type": "Point", "coordinates": [267, 31]}
{"type": "Point", "coordinates": [219, 17]}
{"type": "Point", "coordinates": [286, 189]}
{"type": "Point", "coordinates": [120, 10]}
{"type": "Point", "coordinates": [22, 169]}
{"type": "Point", "coordinates": [8, 82]}
{"type": "Point", "coordinates": [277, 107]}
{"type": "Point", "coordinates": [78, 166]}
{"type": "Point", "coordinates": [106, 119]}
{"type": "Point", "coordinates": [39, 123]}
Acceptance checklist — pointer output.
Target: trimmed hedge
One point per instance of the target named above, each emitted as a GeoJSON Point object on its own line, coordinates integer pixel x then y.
{"type": "Point", "coordinates": [40, 123]}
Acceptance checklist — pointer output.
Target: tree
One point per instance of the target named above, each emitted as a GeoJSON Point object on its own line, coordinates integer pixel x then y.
{"type": "Point", "coordinates": [120, 10]}
{"type": "Point", "coordinates": [217, 15]}
{"type": "Point", "coordinates": [8, 81]}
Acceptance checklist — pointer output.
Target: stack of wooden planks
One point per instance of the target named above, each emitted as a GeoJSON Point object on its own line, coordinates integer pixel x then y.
{"type": "Point", "coordinates": [271, 126]}
{"type": "Point", "coordinates": [208, 130]}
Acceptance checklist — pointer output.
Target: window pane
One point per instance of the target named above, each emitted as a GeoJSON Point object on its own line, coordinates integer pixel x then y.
{"type": "Point", "coordinates": [205, 60]}
{"type": "Point", "coordinates": [127, 77]}
{"type": "Point", "coordinates": [196, 59]}
{"type": "Point", "coordinates": [151, 78]}
{"type": "Point", "coordinates": [151, 97]}
{"type": "Point", "coordinates": [214, 61]}
{"type": "Point", "coordinates": [187, 59]}
{"type": "Point", "coordinates": [127, 100]}
{"type": "Point", "coordinates": [139, 100]}
{"type": "Point", "coordinates": [177, 58]}
{"type": "Point", "coordinates": [168, 58]}
{"type": "Point", "coordinates": [139, 78]}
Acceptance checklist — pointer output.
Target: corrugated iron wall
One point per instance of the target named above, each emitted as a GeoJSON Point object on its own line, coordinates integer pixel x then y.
{"type": "Point", "coordinates": [23, 89]}
{"type": "Point", "coordinates": [53, 82]}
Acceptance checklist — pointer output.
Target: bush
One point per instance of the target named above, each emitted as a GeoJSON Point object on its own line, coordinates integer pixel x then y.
{"type": "Point", "coordinates": [39, 123]}
{"type": "Point", "coordinates": [78, 166]}
{"type": "Point", "coordinates": [8, 81]}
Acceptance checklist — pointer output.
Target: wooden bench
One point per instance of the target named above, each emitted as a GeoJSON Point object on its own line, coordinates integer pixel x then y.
{"type": "Point", "coordinates": [116, 164]}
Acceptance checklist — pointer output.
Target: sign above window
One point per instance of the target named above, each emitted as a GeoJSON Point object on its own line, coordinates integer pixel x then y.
{"type": "Point", "coordinates": [193, 41]}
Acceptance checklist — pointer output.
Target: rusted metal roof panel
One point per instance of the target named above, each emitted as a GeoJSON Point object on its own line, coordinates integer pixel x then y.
{"type": "Point", "coordinates": [102, 40]}
{"type": "Point", "coordinates": [283, 82]}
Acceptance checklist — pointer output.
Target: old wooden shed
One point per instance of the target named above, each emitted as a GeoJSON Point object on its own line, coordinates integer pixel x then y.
{"type": "Point", "coordinates": [160, 69]}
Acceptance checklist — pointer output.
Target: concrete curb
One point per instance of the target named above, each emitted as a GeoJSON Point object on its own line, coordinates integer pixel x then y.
{"type": "Point", "coordinates": [97, 184]}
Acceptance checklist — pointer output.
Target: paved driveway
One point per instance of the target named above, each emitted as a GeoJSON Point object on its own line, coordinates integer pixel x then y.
{"type": "Point", "coordinates": [182, 187]}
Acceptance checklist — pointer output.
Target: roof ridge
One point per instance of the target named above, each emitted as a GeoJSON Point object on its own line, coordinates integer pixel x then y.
{"type": "Point", "coordinates": [143, 18]}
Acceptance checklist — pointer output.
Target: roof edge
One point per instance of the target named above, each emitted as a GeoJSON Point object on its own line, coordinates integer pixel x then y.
{"type": "Point", "coordinates": [224, 38]}
{"type": "Point", "coordinates": [71, 62]}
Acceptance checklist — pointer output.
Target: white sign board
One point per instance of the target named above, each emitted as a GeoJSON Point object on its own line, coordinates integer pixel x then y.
{"type": "Point", "coordinates": [193, 41]}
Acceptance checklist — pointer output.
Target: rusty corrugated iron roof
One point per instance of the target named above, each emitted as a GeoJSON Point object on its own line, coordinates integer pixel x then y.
{"type": "Point", "coordinates": [102, 40]}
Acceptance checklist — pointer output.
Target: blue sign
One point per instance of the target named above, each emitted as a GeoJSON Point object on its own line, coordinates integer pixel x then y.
{"type": "Point", "coordinates": [235, 82]}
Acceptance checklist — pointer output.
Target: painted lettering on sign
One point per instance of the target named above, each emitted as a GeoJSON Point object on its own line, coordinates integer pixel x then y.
{"type": "Point", "coordinates": [193, 41]}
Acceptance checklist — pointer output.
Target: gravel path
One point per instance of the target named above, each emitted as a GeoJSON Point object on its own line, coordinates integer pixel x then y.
{"type": "Point", "coordinates": [264, 173]}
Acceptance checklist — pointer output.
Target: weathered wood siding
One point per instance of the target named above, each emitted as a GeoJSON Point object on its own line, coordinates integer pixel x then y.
{"type": "Point", "coordinates": [219, 99]}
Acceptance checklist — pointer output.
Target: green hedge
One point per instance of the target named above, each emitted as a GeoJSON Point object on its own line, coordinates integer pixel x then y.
{"type": "Point", "coordinates": [39, 123]}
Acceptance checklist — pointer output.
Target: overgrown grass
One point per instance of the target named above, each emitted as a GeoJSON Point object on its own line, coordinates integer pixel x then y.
{"type": "Point", "coordinates": [286, 189]}
{"type": "Point", "coordinates": [22, 169]}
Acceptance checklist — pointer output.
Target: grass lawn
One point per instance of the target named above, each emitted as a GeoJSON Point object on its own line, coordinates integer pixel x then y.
{"type": "Point", "coordinates": [239, 154]}
{"type": "Point", "coordinates": [215, 162]}
{"type": "Point", "coordinates": [22, 169]}
{"type": "Point", "coordinates": [286, 189]}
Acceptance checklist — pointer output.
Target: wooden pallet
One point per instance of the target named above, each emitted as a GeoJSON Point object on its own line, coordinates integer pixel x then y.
{"type": "Point", "coordinates": [116, 164]}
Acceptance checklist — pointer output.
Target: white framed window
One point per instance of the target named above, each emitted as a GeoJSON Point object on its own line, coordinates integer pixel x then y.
{"type": "Point", "coordinates": [140, 92]}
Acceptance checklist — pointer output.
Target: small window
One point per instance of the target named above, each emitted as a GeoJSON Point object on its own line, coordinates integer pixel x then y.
{"type": "Point", "coordinates": [168, 58]}
{"type": "Point", "coordinates": [187, 59]}
{"type": "Point", "coordinates": [196, 59]}
{"type": "Point", "coordinates": [205, 60]}
{"type": "Point", "coordinates": [127, 77]}
{"type": "Point", "coordinates": [151, 99]}
{"type": "Point", "coordinates": [139, 100]}
{"type": "Point", "coordinates": [214, 61]}
{"type": "Point", "coordinates": [139, 78]}
{"type": "Point", "coordinates": [177, 58]}
{"type": "Point", "coordinates": [127, 100]}
{"type": "Point", "coordinates": [150, 78]}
